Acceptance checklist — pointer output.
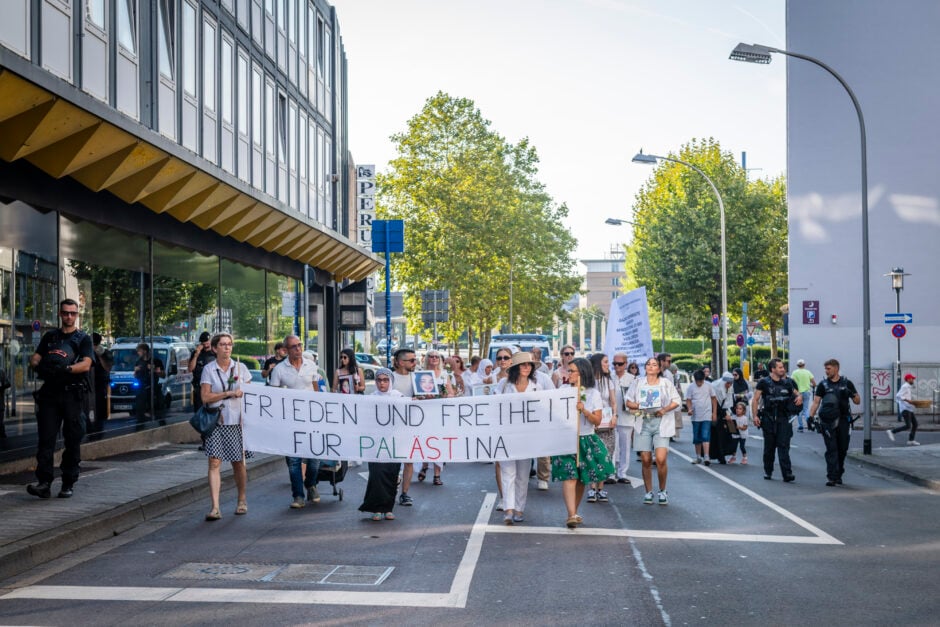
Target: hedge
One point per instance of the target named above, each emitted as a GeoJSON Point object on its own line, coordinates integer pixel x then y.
{"type": "Point", "coordinates": [250, 362]}
{"type": "Point", "coordinates": [250, 347]}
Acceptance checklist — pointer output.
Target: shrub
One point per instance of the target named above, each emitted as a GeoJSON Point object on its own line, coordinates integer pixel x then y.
{"type": "Point", "coordinates": [250, 362]}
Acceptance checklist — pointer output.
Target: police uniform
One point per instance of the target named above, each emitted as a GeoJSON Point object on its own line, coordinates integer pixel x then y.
{"type": "Point", "coordinates": [60, 403]}
{"type": "Point", "coordinates": [775, 423]}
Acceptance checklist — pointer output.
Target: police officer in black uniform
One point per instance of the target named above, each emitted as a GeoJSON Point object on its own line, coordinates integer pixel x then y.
{"type": "Point", "coordinates": [779, 394]}
{"type": "Point", "coordinates": [831, 399]}
{"type": "Point", "coordinates": [198, 358]}
{"type": "Point", "coordinates": [62, 360]}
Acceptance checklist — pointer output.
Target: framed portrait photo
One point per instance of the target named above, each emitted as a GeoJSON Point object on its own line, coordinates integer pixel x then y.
{"type": "Point", "coordinates": [481, 390]}
{"type": "Point", "coordinates": [347, 384]}
{"type": "Point", "coordinates": [424, 384]}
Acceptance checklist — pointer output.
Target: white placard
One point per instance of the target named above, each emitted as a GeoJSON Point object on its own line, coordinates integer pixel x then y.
{"type": "Point", "coordinates": [628, 327]}
{"type": "Point", "coordinates": [388, 429]}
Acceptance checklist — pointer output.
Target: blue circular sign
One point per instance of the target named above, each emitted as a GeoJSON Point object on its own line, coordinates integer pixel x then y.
{"type": "Point", "coordinates": [899, 331]}
{"type": "Point", "coordinates": [751, 341]}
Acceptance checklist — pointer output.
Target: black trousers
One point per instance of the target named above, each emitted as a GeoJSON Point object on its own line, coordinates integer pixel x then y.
{"type": "Point", "coordinates": [910, 422]}
{"type": "Point", "coordinates": [59, 409]}
{"type": "Point", "coordinates": [836, 438]}
{"type": "Point", "coordinates": [777, 435]}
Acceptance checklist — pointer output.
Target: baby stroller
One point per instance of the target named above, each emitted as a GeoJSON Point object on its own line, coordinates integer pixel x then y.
{"type": "Point", "coordinates": [333, 472]}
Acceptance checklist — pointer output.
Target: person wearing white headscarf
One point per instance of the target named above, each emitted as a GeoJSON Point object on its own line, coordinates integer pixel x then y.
{"type": "Point", "coordinates": [382, 486]}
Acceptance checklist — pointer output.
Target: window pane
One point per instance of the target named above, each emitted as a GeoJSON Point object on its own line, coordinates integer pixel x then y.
{"type": "Point", "coordinates": [227, 83]}
{"type": "Point", "coordinates": [255, 105]}
{"type": "Point", "coordinates": [208, 66]}
{"type": "Point", "coordinates": [166, 24]}
{"type": "Point", "coordinates": [269, 114]}
{"type": "Point", "coordinates": [127, 24]}
{"type": "Point", "coordinates": [243, 88]}
{"type": "Point", "coordinates": [95, 13]}
{"type": "Point", "coordinates": [189, 48]}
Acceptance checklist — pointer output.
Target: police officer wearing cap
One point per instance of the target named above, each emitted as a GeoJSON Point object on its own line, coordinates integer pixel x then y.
{"type": "Point", "coordinates": [62, 360]}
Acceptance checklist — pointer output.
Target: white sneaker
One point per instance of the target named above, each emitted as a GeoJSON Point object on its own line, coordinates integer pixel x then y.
{"type": "Point", "coordinates": [499, 505]}
{"type": "Point", "coordinates": [697, 460]}
{"type": "Point", "coordinates": [543, 485]}
{"type": "Point", "coordinates": [663, 498]}
{"type": "Point", "coordinates": [648, 499]}
{"type": "Point", "coordinates": [913, 443]}
{"type": "Point", "coordinates": [890, 434]}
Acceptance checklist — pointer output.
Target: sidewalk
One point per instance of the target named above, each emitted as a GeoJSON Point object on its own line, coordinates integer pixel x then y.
{"type": "Point", "coordinates": [917, 464]}
{"type": "Point", "coordinates": [113, 495]}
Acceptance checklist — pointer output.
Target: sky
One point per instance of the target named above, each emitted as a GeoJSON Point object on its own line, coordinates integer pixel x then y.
{"type": "Point", "coordinates": [589, 82]}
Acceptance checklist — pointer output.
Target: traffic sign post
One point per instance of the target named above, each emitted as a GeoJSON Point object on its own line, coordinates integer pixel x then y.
{"type": "Point", "coordinates": [739, 340]}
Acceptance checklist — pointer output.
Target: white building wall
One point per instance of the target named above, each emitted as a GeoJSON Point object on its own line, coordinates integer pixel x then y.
{"type": "Point", "coordinates": [889, 54]}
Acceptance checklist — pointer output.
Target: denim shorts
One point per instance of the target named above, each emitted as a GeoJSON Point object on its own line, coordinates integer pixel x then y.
{"type": "Point", "coordinates": [701, 431]}
{"type": "Point", "coordinates": [648, 438]}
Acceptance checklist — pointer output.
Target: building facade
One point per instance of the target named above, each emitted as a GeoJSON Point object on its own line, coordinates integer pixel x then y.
{"type": "Point", "coordinates": [888, 56]}
{"type": "Point", "coordinates": [174, 166]}
{"type": "Point", "coordinates": [602, 281]}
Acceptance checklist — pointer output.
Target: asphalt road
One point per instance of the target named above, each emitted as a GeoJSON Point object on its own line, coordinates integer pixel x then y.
{"type": "Point", "coordinates": [730, 548]}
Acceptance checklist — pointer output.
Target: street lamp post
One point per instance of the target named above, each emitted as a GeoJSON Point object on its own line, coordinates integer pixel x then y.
{"type": "Point", "coordinates": [897, 284]}
{"type": "Point", "coordinates": [651, 159]}
{"type": "Point", "coordinates": [756, 53]}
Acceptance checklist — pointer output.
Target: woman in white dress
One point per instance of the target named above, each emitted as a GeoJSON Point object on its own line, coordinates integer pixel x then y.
{"type": "Point", "coordinates": [514, 474]}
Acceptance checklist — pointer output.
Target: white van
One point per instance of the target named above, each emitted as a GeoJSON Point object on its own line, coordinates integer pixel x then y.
{"type": "Point", "coordinates": [175, 386]}
{"type": "Point", "coordinates": [521, 341]}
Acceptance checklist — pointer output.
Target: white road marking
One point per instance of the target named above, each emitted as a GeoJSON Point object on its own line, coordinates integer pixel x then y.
{"type": "Point", "coordinates": [456, 598]}
{"type": "Point", "coordinates": [819, 533]}
{"type": "Point", "coordinates": [364, 475]}
{"type": "Point", "coordinates": [669, 535]}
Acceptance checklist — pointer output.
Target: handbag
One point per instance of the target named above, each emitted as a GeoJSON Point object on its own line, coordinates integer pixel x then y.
{"type": "Point", "coordinates": [205, 420]}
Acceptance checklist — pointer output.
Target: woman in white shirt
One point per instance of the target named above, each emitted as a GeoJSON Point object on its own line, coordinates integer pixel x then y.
{"type": "Point", "coordinates": [651, 397]}
{"type": "Point", "coordinates": [514, 474]}
{"type": "Point", "coordinates": [592, 463]}
{"type": "Point", "coordinates": [220, 387]}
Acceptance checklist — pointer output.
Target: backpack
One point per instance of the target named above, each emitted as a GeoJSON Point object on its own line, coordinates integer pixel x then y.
{"type": "Point", "coordinates": [830, 409]}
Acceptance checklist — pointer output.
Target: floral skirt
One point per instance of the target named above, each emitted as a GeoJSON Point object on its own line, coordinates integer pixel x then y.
{"type": "Point", "coordinates": [594, 463]}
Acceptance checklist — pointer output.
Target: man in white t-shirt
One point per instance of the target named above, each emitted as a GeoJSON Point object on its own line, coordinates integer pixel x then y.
{"type": "Point", "coordinates": [623, 432]}
{"type": "Point", "coordinates": [296, 372]}
{"type": "Point", "coordinates": [703, 408]}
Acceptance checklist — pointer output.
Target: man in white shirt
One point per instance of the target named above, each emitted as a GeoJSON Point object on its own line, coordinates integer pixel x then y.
{"type": "Point", "coordinates": [404, 362]}
{"type": "Point", "coordinates": [703, 409]}
{"type": "Point", "coordinates": [296, 372]}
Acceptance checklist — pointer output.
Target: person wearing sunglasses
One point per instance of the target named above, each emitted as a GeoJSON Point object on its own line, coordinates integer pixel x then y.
{"type": "Point", "coordinates": [560, 376]}
{"type": "Point", "coordinates": [623, 432]}
{"type": "Point", "coordinates": [445, 383]}
{"type": "Point", "coordinates": [62, 360]}
{"type": "Point", "coordinates": [404, 362]}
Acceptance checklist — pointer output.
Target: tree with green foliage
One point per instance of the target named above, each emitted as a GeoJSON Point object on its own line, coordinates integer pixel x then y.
{"type": "Point", "coordinates": [476, 220]}
{"type": "Point", "coordinates": [676, 252]}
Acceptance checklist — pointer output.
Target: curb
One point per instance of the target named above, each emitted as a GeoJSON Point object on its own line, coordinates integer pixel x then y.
{"type": "Point", "coordinates": [50, 544]}
{"type": "Point", "coordinates": [930, 484]}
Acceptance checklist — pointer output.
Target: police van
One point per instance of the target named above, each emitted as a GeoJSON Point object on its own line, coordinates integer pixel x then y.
{"type": "Point", "coordinates": [176, 384]}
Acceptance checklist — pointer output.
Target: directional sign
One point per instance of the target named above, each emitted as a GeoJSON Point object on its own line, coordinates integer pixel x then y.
{"type": "Point", "coordinates": [899, 318]}
{"type": "Point", "coordinates": [899, 331]}
{"type": "Point", "coordinates": [739, 340]}
{"type": "Point", "coordinates": [751, 341]}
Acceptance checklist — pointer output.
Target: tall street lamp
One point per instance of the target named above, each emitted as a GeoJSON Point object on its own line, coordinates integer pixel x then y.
{"type": "Point", "coordinates": [756, 53]}
{"type": "Point", "coordinates": [897, 284]}
{"type": "Point", "coordinates": [651, 160]}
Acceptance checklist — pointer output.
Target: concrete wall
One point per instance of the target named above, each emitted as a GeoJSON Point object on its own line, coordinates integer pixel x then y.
{"type": "Point", "coordinates": [889, 54]}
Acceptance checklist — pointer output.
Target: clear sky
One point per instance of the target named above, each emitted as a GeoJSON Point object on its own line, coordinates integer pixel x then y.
{"type": "Point", "coordinates": [590, 82]}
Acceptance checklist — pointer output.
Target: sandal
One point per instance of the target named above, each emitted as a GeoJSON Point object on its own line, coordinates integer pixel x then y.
{"type": "Point", "coordinates": [573, 521]}
{"type": "Point", "coordinates": [389, 516]}
{"type": "Point", "coordinates": [214, 514]}
{"type": "Point", "coordinates": [242, 509]}
{"type": "Point", "coordinates": [423, 474]}
{"type": "Point", "coordinates": [376, 517]}
{"type": "Point", "coordinates": [437, 481]}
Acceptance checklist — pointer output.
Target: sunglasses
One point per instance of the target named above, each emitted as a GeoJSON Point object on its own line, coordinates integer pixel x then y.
{"type": "Point", "coordinates": [407, 360]}
{"type": "Point", "coordinates": [620, 363]}
{"type": "Point", "coordinates": [503, 358]}
{"type": "Point", "coordinates": [68, 313]}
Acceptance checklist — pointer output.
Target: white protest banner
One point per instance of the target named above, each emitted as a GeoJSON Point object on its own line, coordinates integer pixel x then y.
{"type": "Point", "coordinates": [628, 327]}
{"type": "Point", "coordinates": [388, 429]}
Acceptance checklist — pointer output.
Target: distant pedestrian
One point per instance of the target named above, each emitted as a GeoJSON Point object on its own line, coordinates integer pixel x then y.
{"type": "Point", "coordinates": [760, 372]}
{"type": "Point", "coordinates": [653, 398]}
{"type": "Point", "coordinates": [832, 401]}
{"type": "Point", "coordinates": [805, 384]}
{"type": "Point", "coordinates": [771, 409]}
{"type": "Point", "coordinates": [404, 362]}
{"type": "Point", "coordinates": [221, 386]}
{"type": "Point", "coordinates": [101, 368]}
{"type": "Point", "coordinates": [198, 358]}
{"type": "Point", "coordinates": [280, 354]}
{"type": "Point", "coordinates": [721, 444]}
{"type": "Point", "coordinates": [740, 436]}
{"type": "Point", "coordinates": [5, 385]}
{"type": "Point", "coordinates": [560, 376]}
{"type": "Point", "coordinates": [605, 431]}
{"type": "Point", "coordinates": [590, 464]}
{"type": "Point", "coordinates": [703, 410]}
{"type": "Point", "coordinates": [348, 378]}
{"type": "Point", "coordinates": [382, 485]}
{"type": "Point", "coordinates": [904, 398]}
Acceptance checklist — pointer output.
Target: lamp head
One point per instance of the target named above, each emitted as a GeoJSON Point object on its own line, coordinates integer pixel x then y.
{"type": "Point", "coordinates": [613, 221]}
{"type": "Point", "coordinates": [752, 53]}
{"type": "Point", "coordinates": [641, 158]}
